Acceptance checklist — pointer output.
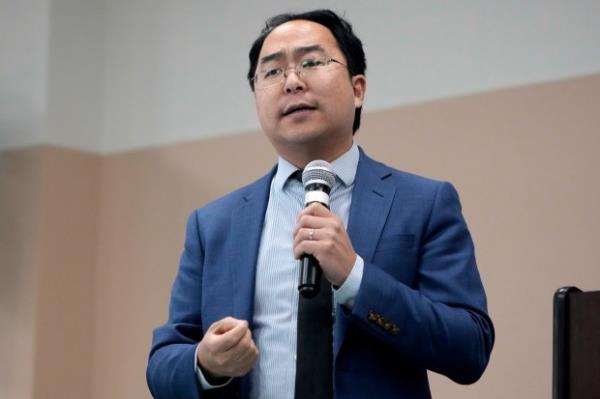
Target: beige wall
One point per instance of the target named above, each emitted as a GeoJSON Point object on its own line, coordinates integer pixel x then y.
{"type": "Point", "coordinates": [20, 175]}
{"type": "Point", "coordinates": [49, 206]}
{"type": "Point", "coordinates": [97, 239]}
{"type": "Point", "coordinates": [68, 229]}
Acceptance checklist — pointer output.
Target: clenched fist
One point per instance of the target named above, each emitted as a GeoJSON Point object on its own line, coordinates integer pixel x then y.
{"type": "Point", "coordinates": [227, 349]}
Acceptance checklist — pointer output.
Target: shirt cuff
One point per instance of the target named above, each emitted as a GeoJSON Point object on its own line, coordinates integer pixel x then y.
{"type": "Point", "coordinates": [347, 292]}
{"type": "Point", "coordinates": [201, 379]}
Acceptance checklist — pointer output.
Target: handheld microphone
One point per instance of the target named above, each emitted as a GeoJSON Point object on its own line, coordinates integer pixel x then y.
{"type": "Point", "coordinates": [318, 179]}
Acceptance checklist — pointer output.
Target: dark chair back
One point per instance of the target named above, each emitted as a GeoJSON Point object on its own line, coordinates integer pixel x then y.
{"type": "Point", "coordinates": [576, 351]}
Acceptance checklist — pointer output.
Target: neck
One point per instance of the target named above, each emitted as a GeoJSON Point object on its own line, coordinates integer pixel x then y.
{"type": "Point", "coordinates": [300, 157]}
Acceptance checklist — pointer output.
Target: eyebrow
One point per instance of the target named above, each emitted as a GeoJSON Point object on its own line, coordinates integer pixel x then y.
{"type": "Point", "coordinates": [297, 51]}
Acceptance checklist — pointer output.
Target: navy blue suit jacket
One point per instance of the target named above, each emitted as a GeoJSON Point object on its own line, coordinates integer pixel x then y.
{"type": "Point", "coordinates": [421, 305]}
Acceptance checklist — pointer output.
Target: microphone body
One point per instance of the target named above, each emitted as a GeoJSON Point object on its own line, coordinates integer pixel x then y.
{"type": "Point", "coordinates": [318, 179]}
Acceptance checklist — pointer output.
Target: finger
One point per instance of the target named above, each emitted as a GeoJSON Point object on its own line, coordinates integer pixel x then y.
{"type": "Point", "coordinates": [243, 356]}
{"type": "Point", "coordinates": [249, 354]}
{"type": "Point", "coordinates": [230, 338]}
{"type": "Point", "coordinates": [314, 222]}
{"type": "Point", "coordinates": [316, 209]}
{"type": "Point", "coordinates": [309, 234]}
{"type": "Point", "coordinates": [223, 325]}
{"type": "Point", "coordinates": [307, 247]}
{"type": "Point", "coordinates": [241, 346]}
{"type": "Point", "coordinates": [246, 361]}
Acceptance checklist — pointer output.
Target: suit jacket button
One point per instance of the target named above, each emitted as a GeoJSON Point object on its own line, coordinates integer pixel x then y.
{"type": "Point", "coordinates": [371, 316]}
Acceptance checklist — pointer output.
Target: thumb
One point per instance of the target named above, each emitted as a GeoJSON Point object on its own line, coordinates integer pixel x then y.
{"type": "Point", "coordinates": [227, 324]}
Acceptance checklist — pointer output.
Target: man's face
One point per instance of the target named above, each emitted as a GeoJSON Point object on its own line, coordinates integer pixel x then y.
{"type": "Point", "coordinates": [326, 99]}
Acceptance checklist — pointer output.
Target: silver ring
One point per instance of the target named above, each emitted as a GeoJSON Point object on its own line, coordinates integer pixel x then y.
{"type": "Point", "coordinates": [311, 234]}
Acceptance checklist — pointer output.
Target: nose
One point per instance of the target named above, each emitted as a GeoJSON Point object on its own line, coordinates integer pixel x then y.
{"type": "Point", "coordinates": [293, 83]}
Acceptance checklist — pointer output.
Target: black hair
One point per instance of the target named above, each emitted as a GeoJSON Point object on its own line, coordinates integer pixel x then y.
{"type": "Point", "coordinates": [349, 44]}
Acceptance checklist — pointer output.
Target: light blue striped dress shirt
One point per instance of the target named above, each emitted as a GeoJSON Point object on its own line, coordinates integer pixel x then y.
{"type": "Point", "coordinates": [276, 290]}
{"type": "Point", "coordinates": [276, 286]}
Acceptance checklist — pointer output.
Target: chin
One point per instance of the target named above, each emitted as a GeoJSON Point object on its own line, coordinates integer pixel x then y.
{"type": "Point", "coordinates": [304, 137]}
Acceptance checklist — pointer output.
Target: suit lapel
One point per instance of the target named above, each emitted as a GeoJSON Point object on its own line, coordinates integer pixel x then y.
{"type": "Point", "coordinates": [371, 202]}
{"type": "Point", "coordinates": [246, 228]}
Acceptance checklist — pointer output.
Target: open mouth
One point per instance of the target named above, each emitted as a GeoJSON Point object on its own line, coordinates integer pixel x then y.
{"type": "Point", "coordinates": [298, 109]}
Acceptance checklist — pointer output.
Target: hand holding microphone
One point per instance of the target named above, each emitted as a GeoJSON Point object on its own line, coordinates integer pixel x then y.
{"type": "Point", "coordinates": [320, 239]}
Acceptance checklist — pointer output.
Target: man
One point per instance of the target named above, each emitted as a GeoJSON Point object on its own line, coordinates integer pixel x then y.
{"type": "Point", "coordinates": [406, 291]}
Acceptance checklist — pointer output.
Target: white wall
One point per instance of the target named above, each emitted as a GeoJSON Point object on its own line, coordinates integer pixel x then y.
{"type": "Point", "coordinates": [133, 73]}
{"type": "Point", "coordinates": [51, 73]}
{"type": "Point", "coordinates": [24, 29]}
{"type": "Point", "coordinates": [76, 73]}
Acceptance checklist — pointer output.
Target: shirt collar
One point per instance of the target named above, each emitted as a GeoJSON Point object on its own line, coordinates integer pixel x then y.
{"type": "Point", "coordinates": [344, 167]}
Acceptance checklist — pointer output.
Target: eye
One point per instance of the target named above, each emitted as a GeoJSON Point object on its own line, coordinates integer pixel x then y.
{"type": "Point", "coordinates": [271, 73]}
{"type": "Point", "coordinates": [310, 63]}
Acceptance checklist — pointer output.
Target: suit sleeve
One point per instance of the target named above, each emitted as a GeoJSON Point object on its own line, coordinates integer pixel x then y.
{"type": "Point", "coordinates": [170, 372]}
{"type": "Point", "coordinates": [441, 322]}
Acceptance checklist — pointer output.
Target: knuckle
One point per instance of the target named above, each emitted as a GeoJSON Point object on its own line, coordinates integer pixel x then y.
{"type": "Point", "coordinates": [245, 342]}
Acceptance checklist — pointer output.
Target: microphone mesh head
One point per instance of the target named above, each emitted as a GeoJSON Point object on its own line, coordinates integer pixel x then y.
{"type": "Point", "coordinates": [318, 171]}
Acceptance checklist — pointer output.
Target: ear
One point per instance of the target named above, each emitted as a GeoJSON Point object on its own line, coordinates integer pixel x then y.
{"type": "Point", "coordinates": [359, 85]}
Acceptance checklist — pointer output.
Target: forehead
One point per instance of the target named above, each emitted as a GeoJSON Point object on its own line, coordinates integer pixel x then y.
{"type": "Point", "coordinates": [295, 34]}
